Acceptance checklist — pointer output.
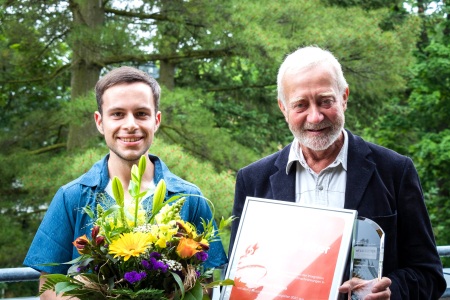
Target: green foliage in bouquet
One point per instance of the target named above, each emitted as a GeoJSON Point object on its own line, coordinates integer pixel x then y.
{"type": "Point", "coordinates": [135, 254]}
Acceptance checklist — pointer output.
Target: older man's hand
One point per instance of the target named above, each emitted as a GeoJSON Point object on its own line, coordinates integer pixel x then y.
{"type": "Point", "coordinates": [368, 289]}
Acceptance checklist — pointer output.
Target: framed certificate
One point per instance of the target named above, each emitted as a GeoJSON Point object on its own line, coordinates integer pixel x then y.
{"type": "Point", "coordinates": [284, 250]}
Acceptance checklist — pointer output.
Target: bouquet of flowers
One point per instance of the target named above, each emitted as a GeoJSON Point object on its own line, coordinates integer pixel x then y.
{"type": "Point", "coordinates": [135, 254]}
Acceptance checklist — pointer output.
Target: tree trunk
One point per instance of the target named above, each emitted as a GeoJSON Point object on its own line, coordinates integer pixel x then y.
{"type": "Point", "coordinates": [447, 23]}
{"type": "Point", "coordinates": [423, 39]}
{"type": "Point", "coordinates": [87, 15]}
{"type": "Point", "coordinates": [167, 74]}
{"type": "Point", "coordinates": [170, 34]}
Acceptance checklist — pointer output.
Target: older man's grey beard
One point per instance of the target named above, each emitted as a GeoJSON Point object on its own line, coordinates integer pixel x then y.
{"type": "Point", "coordinates": [321, 143]}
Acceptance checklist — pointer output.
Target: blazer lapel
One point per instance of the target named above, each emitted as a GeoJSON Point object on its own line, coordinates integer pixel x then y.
{"type": "Point", "coordinates": [282, 184]}
{"type": "Point", "coordinates": [359, 171]}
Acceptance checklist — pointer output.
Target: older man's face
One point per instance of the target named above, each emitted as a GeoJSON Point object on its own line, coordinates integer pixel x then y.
{"type": "Point", "coordinates": [314, 108]}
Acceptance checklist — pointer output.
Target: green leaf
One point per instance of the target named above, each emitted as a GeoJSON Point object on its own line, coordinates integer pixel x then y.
{"type": "Point", "coordinates": [51, 281]}
{"type": "Point", "coordinates": [50, 264]}
{"type": "Point", "coordinates": [179, 282]}
{"type": "Point", "coordinates": [89, 212]}
{"type": "Point", "coordinates": [206, 297]}
{"type": "Point", "coordinates": [63, 287]}
{"type": "Point", "coordinates": [75, 260]}
{"type": "Point", "coordinates": [111, 210]}
{"type": "Point", "coordinates": [196, 293]}
{"type": "Point", "coordinates": [56, 277]}
{"type": "Point", "coordinates": [224, 282]}
{"type": "Point", "coordinates": [225, 222]}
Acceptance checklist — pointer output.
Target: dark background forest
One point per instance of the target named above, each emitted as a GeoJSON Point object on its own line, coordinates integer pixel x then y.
{"type": "Point", "coordinates": [217, 62]}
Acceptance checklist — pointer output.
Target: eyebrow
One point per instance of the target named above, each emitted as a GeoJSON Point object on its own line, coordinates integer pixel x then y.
{"type": "Point", "coordinates": [295, 100]}
{"type": "Point", "coordinates": [326, 94]}
{"type": "Point", "coordinates": [113, 108]}
{"type": "Point", "coordinates": [292, 102]}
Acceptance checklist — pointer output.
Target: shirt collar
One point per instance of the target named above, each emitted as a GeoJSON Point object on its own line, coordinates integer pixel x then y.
{"type": "Point", "coordinates": [98, 175]}
{"type": "Point", "coordinates": [296, 154]}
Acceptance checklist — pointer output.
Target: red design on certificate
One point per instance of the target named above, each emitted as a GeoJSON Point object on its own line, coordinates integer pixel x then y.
{"type": "Point", "coordinates": [298, 263]}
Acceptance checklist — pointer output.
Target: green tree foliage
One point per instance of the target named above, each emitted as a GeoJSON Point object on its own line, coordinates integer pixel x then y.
{"type": "Point", "coordinates": [33, 87]}
{"type": "Point", "coordinates": [415, 122]}
{"type": "Point", "coordinates": [429, 108]}
{"type": "Point", "coordinates": [189, 122]}
{"type": "Point", "coordinates": [231, 48]}
{"type": "Point", "coordinates": [375, 62]}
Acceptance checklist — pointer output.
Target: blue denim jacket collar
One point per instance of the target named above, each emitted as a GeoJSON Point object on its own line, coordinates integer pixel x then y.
{"type": "Point", "coordinates": [92, 178]}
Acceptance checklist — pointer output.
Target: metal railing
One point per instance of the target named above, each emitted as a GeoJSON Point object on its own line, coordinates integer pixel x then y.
{"type": "Point", "coordinates": [18, 274]}
{"type": "Point", "coordinates": [29, 274]}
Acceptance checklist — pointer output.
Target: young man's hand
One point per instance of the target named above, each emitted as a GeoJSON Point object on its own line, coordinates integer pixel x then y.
{"type": "Point", "coordinates": [50, 295]}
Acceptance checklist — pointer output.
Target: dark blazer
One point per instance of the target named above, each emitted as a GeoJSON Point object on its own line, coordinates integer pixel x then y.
{"type": "Point", "coordinates": [381, 185]}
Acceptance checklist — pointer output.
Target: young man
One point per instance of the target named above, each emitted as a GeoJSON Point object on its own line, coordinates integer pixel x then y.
{"type": "Point", "coordinates": [127, 117]}
{"type": "Point", "coordinates": [328, 165]}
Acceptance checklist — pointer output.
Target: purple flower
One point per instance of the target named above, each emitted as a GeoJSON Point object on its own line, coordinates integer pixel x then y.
{"type": "Point", "coordinates": [153, 264]}
{"type": "Point", "coordinates": [159, 265]}
{"type": "Point", "coordinates": [201, 256]}
{"type": "Point", "coordinates": [133, 276]}
{"type": "Point", "coordinates": [155, 255]}
{"type": "Point", "coordinates": [146, 264]}
{"type": "Point", "coordinates": [81, 269]}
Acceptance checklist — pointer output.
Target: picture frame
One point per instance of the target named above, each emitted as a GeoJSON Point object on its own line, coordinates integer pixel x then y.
{"type": "Point", "coordinates": [284, 250]}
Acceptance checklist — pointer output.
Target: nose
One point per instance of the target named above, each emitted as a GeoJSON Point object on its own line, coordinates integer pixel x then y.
{"type": "Point", "coordinates": [314, 115]}
{"type": "Point", "coordinates": [130, 122]}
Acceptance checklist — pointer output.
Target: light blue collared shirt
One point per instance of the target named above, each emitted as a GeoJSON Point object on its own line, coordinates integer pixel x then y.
{"type": "Point", "coordinates": [326, 188]}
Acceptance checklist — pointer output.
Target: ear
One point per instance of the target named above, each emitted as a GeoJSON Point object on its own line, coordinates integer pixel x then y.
{"type": "Point", "coordinates": [98, 122]}
{"type": "Point", "coordinates": [283, 109]}
{"type": "Point", "coordinates": [345, 98]}
{"type": "Point", "coordinates": [157, 120]}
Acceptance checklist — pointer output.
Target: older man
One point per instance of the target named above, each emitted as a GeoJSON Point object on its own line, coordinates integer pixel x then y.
{"type": "Point", "coordinates": [328, 165]}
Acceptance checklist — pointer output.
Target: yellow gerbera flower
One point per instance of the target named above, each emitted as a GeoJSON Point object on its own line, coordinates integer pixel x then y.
{"type": "Point", "coordinates": [130, 244]}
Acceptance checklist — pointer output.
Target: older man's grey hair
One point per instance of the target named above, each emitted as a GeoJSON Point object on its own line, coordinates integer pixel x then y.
{"type": "Point", "coordinates": [305, 58]}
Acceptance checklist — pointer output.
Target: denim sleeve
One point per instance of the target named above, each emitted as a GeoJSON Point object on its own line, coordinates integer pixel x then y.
{"type": "Point", "coordinates": [63, 222]}
{"type": "Point", "coordinates": [53, 240]}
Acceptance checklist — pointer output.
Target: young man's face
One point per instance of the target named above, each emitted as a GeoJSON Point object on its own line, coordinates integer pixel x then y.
{"type": "Point", "coordinates": [314, 107]}
{"type": "Point", "coordinates": [129, 120]}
